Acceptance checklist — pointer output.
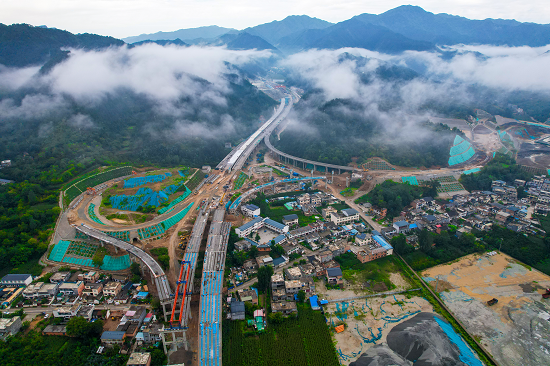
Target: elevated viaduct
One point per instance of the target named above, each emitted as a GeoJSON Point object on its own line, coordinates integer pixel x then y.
{"type": "Point", "coordinates": [304, 163]}
{"type": "Point", "coordinates": [157, 273]}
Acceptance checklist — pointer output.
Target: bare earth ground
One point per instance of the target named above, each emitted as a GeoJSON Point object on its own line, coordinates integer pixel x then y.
{"type": "Point", "coordinates": [368, 321]}
{"type": "Point", "coordinates": [515, 330]}
{"type": "Point", "coordinates": [489, 142]}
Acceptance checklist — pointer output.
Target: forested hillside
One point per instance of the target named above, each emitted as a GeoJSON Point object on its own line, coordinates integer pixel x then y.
{"type": "Point", "coordinates": [396, 196]}
{"type": "Point", "coordinates": [23, 44]}
{"type": "Point", "coordinates": [339, 130]}
{"type": "Point", "coordinates": [84, 109]}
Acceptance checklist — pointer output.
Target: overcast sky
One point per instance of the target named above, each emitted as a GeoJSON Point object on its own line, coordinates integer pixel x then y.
{"type": "Point", "coordinates": [123, 18]}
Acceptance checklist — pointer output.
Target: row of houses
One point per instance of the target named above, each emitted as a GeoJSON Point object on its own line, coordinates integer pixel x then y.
{"type": "Point", "coordinates": [479, 210]}
{"type": "Point", "coordinates": [86, 285]}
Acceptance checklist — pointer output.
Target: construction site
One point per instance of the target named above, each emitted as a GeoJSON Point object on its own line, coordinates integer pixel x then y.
{"type": "Point", "coordinates": [500, 301]}
{"type": "Point", "coordinates": [377, 325]}
{"type": "Point", "coordinates": [132, 213]}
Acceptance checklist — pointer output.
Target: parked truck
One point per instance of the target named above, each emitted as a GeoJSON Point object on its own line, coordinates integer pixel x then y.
{"type": "Point", "coordinates": [492, 302]}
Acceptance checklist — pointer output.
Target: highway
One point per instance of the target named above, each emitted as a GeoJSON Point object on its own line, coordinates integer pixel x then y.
{"type": "Point", "coordinates": [235, 160]}
{"type": "Point", "coordinates": [210, 308]}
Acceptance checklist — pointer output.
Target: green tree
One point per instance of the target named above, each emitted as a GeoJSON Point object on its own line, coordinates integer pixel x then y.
{"type": "Point", "coordinates": [264, 278]}
{"type": "Point", "coordinates": [399, 243]}
{"type": "Point", "coordinates": [158, 358]}
{"type": "Point", "coordinates": [425, 240]}
{"type": "Point", "coordinates": [277, 250]}
{"type": "Point", "coordinates": [253, 252]}
{"type": "Point", "coordinates": [31, 197]}
{"type": "Point", "coordinates": [238, 258]}
{"type": "Point", "coordinates": [301, 296]}
{"type": "Point", "coordinates": [276, 318]}
{"type": "Point", "coordinates": [97, 259]}
{"type": "Point", "coordinates": [155, 304]}
{"type": "Point", "coordinates": [135, 269]}
{"type": "Point", "coordinates": [164, 261]}
{"type": "Point", "coordinates": [136, 272]}
{"type": "Point", "coordinates": [81, 328]}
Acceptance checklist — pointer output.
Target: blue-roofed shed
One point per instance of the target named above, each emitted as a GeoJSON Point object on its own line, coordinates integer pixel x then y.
{"type": "Point", "coordinates": [142, 295]}
{"type": "Point", "coordinates": [112, 336]}
{"type": "Point", "coordinates": [383, 243]}
{"type": "Point", "coordinates": [251, 241]}
{"type": "Point", "coordinates": [279, 261]}
{"type": "Point", "coordinates": [314, 303]}
{"type": "Point", "coordinates": [290, 217]}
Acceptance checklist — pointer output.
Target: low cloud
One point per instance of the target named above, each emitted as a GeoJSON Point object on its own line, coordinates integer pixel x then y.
{"type": "Point", "coordinates": [15, 78]}
{"type": "Point", "coordinates": [178, 83]}
{"type": "Point", "coordinates": [31, 107]}
{"type": "Point", "coordinates": [187, 129]}
{"type": "Point", "coordinates": [82, 121]}
{"type": "Point", "coordinates": [399, 104]}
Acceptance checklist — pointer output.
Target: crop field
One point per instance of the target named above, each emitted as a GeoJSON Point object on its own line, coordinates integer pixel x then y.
{"type": "Point", "coordinates": [80, 186]}
{"type": "Point", "coordinates": [195, 181]}
{"type": "Point", "coordinates": [240, 180]}
{"type": "Point", "coordinates": [302, 340]}
{"type": "Point", "coordinates": [452, 187]}
{"type": "Point", "coordinates": [516, 330]}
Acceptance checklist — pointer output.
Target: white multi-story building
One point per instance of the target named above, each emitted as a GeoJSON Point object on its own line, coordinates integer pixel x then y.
{"type": "Point", "coordinates": [250, 210]}
{"type": "Point", "coordinates": [292, 287]}
{"type": "Point", "coordinates": [277, 281]}
{"type": "Point", "coordinates": [293, 273]}
{"type": "Point", "coordinates": [67, 312]}
{"type": "Point", "coordinates": [258, 223]}
{"type": "Point", "coordinates": [48, 289]}
{"type": "Point", "coordinates": [112, 288]}
{"type": "Point", "coordinates": [344, 216]}
{"type": "Point", "coordinates": [32, 290]}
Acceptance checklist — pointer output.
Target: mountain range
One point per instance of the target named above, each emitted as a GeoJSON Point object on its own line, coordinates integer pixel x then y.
{"type": "Point", "coordinates": [406, 27]}
{"type": "Point", "coordinates": [401, 29]}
